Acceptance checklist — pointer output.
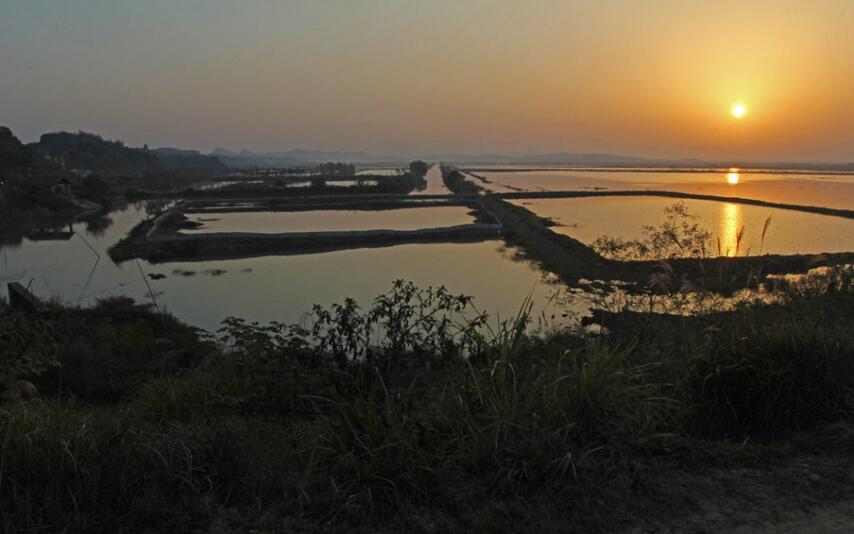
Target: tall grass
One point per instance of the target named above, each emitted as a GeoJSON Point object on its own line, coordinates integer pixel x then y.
{"type": "Point", "coordinates": [769, 383]}
{"type": "Point", "coordinates": [303, 427]}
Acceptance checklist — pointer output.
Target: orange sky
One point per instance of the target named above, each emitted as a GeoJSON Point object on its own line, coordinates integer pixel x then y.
{"type": "Point", "coordinates": [634, 77]}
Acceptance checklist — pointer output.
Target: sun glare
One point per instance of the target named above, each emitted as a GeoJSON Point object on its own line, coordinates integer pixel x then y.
{"type": "Point", "coordinates": [738, 111]}
{"type": "Point", "coordinates": [733, 177]}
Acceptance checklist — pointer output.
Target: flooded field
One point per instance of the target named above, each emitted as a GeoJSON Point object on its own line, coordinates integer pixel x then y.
{"type": "Point", "coordinates": [77, 269]}
{"type": "Point", "coordinates": [435, 185]}
{"type": "Point", "coordinates": [828, 190]}
{"type": "Point", "coordinates": [379, 172]}
{"type": "Point", "coordinates": [789, 232]}
{"type": "Point", "coordinates": [332, 220]}
{"type": "Point", "coordinates": [274, 288]}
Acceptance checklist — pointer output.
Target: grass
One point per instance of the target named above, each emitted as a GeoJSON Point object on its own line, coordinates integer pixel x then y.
{"type": "Point", "coordinates": [448, 422]}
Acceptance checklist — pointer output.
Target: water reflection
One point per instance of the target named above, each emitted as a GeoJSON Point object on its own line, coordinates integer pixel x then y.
{"type": "Point", "coordinates": [732, 227]}
{"type": "Point", "coordinates": [332, 220]}
{"type": "Point", "coordinates": [98, 225]}
{"type": "Point", "coordinates": [274, 288]}
{"type": "Point", "coordinates": [733, 177]}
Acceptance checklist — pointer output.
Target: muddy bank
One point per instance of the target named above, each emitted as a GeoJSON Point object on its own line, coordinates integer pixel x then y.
{"type": "Point", "coordinates": [349, 202]}
{"type": "Point", "coordinates": [230, 245]}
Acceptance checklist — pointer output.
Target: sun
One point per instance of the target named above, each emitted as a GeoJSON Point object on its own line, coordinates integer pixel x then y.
{"type": "Point", "coordinates": [738, 110]}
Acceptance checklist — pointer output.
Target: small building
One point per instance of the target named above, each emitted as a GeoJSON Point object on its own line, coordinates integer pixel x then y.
{"type": "Point", "coordinates": [62, 187]}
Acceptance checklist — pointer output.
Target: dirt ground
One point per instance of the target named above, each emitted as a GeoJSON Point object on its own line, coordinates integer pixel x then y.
{"type": "Point", "coordinates": [809, 494]}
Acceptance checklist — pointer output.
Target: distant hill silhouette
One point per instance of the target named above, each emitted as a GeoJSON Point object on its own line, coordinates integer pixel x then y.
{"type": "Point", "coordinates": [81, 153]}
{"type": "Point", "coordinates": [294, 157]}
{"type": "Point", "coordinates": [300, 157]}
{"type": "Point", "coordinates": [87, 152]}
{"type": "Point", "coordinates": [14, 156]}
{"type": "Point", "coordinates": [171, 158]}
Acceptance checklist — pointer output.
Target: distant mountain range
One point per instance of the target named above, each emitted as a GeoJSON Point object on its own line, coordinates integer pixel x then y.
{"type": "Point", "coordinates": [563, 158]}
{"type": "Point", "coordinates": [82, 151]}
{"type": "Point", "coordinates": [298, 157]}
{"type": "Point", "coordinates": [293, 157]}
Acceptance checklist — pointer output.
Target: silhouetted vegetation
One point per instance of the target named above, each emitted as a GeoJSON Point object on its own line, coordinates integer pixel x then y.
{"type": "Point", "coordinates": [418, 168]}
{"type": "Point", "coordinates": [91, 152]}
{"type": "Point", "coordinates": [337, 169]}
{"type": "Point", "coordinates": [163, 185]}
{"type": "Point", "coordinates": [83, 151]}
{"type": "Point", "coordinates": [120, 418]}
{"type": "Point", "coordinates": [15, 160]}
{"type": "Point", "coordinates": [25, 205]}
{"type": "Point", "coordinates": [457, 183]}
{"type": "Point", "coordinates": [90, 168]}
{"type": "Point", "coordinates": [575, 262]}
{"type": "Point", "coordinates": [681, 235]}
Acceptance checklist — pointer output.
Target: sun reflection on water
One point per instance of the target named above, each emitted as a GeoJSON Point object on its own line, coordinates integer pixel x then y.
{"type": "Point", "coordinates": [733, 177]}
{"type": "Point", "coordinates": [732, 225]}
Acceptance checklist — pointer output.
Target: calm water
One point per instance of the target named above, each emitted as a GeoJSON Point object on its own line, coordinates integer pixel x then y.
{"type": "Point", "coordinates": [790, 232]}
{"type": "Point", "coordinates": [332, 220]}
{"type": "Point", "coordinates": [279, 288]}
{"type": "Point", "coordinates": [829, 190]}
{"type": "Point", "coordinates": [283, 288]}
{"type": "Point", "coordinates": [435, 184]}
{"type": "Point", "coordinates": [380, 172]}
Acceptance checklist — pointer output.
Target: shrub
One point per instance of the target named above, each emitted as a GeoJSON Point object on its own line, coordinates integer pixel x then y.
{"type": "Point", "coordinates": [679, 236]}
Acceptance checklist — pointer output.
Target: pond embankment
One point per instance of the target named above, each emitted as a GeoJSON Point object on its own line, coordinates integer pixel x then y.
{"type": "Point", "coordinates": [522, 195]}
{"type": "Point", "coordinates": [321, 203]}
{"type": "Point", "coordinates": [159, 239]}
{"type": "Point", "coordinates": [230, 245]}
{"type": "Point", "coordinates": [573, 261]}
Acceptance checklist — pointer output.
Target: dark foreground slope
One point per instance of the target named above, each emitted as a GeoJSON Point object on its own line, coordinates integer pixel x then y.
{"type": "Point", "coordinates": [118, 418]}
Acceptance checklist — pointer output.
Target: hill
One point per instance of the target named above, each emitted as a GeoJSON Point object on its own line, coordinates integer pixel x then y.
{"type": "Point", "coordinates": [84, 152]}
{"type": "Point", "coordinates": [291, 158]}
{"type": "Point", "coordinates": [15, 159]}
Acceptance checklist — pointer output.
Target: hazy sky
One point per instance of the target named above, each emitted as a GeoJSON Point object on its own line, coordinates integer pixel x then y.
{"type": "Point", "coordinates": [643, 77]}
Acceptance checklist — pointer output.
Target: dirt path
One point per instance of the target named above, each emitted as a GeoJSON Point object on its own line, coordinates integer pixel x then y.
{"type": "Point", "coordinates": [810, 494]}
{"type": "Point", "coordinates": [835, 519]}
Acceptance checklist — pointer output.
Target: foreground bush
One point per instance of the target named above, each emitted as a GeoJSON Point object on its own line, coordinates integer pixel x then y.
{"type": "Point", "coordinates": [417, 402]}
